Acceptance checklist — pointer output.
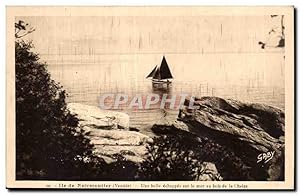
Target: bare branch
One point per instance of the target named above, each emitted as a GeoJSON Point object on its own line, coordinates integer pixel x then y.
{"type": "Point", "coordinates": [22, 29]}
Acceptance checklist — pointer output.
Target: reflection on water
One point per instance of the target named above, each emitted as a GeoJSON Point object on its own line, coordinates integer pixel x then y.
{"type": "Point", "coordinates": [257, 77]}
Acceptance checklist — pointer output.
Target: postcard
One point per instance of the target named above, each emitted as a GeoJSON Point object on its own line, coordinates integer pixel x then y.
{"type": "Point", "coordinates": [150, 98]}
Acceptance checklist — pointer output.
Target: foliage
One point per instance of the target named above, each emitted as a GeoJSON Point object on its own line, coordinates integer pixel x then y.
{"type": "Point", "coordinates": [121, 170]}
{"type": "Point", "coordinates": [49, 144]}
{"type": "Point", "coordinates": [168, 160]}
{"type": "Point", "coordinates": [181, 156]}
{"type": "Point", "coordinates": [274, 32]}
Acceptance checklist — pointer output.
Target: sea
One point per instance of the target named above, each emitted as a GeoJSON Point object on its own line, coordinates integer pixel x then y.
{"type": "Point", "coordinates": [250, 77]}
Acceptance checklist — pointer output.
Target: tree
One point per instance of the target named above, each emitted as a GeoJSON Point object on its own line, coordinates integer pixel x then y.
{"type": "Point", "coordinates": [275, 32]}
{"type": "Point", "coordinates": [49, 143]}
{"type": "Point", "coordinates": [22, 29]}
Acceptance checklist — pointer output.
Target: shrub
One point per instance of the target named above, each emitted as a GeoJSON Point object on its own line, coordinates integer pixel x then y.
{"type": "Point", "coordinates": [183, 156]}
{"type": "Point", "coordinates": [49, 144]}
{"type": "Point", "coordinates": [168, 160]}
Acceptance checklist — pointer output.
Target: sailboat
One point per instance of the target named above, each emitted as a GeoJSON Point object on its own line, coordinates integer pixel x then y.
{"type": "Point", "coordinates": [161, 73]}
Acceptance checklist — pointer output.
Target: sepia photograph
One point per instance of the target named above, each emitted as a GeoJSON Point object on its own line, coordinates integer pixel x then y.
{"type": "Point", "coordinates": [150, 97]}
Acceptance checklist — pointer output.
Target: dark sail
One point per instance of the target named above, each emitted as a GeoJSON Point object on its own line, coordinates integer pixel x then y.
{"type": "Point", "coordinates": [161, 71]}
{"type": "Point", "coordinates": [165, 72]}
{"type": "Point", "coordinates": [157, 74]}
{"type": "Point", "coordinates": [152, 72]}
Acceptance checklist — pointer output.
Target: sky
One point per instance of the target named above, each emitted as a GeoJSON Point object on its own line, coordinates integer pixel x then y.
{"type": "Point", "coordinates": [151, 34]}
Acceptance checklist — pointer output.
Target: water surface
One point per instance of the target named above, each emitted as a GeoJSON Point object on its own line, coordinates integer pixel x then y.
{"type": "Point", "coordinates": [250, 77]}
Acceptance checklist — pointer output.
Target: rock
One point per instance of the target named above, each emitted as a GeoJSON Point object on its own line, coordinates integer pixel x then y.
{"type": "Point", "coordinates": [110, 144]}
{"type": "Point", "coordinates": [247, 129]}
{"type": "Point", "coordinates": [117, 137]}
{"type": "Point", "coordinates": [94, 117]}
{"type": "Point", "coordinates": [110, 133]}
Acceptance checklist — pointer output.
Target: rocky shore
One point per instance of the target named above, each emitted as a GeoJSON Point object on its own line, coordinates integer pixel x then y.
{"type": "Point", "coordinates": [110, 133]}
{"type": "Point", "coordinates": [254, 133]}
{"type": "Point", "coordinates": [251, 133]}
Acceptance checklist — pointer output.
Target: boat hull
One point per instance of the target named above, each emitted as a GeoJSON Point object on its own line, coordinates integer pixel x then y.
{"type": "Point", "coordinates": [156, 81]}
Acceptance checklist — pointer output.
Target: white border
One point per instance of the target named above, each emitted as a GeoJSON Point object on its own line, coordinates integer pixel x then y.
{"type": "Point", "coordinates": [107, 2]}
